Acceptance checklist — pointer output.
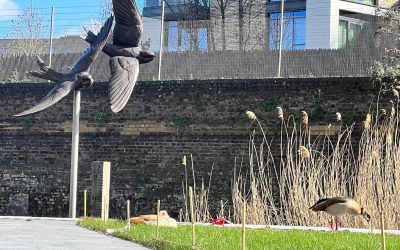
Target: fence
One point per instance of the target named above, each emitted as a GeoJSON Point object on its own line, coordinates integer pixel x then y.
{"type": "Point", "coordinates": [231, 48]}
{"type": "Point", "coordinates": [216, 65]}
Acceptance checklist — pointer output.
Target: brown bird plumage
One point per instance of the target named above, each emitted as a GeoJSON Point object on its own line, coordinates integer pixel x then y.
{"type": "Point", "coordinates": [148, 217]}
{"type": "Point", "coordinates": [339, 206]}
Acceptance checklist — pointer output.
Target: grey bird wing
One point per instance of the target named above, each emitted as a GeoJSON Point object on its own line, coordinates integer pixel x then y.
{"type": "Point", "coordinates": [54, 96]}
{"type": "Point", "coordinates": [128, 27]}
{"type": "Point", "coordinates": [90, 54]}
{"type": "Point", "coordinates": [124, 72]}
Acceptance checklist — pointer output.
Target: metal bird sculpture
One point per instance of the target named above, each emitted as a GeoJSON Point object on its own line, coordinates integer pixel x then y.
{"type": "Point", "coordinates": [125, 51]}
{"type": "Point", "coordinates": [77, 78]}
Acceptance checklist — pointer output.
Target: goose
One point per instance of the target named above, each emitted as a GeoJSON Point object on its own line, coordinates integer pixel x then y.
{"type": "Point", "coordinates": [339, 206]}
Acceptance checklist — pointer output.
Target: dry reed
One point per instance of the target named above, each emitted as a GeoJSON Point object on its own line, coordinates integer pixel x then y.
{"type": "Point", "coordinates": [280, 112]}
{"type": "Point", "coordinates": [278, 189]}
{"type": "Point", "coordinates": [200, 197]}
{"type": "Point", "coordinates": [304, 119]}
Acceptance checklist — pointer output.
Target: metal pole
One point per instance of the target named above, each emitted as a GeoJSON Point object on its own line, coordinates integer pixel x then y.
{"type": "Point", "coordinates": [161, 39]}
{"type": "Point", "coordinates": [51, 34]}
{"type": "Point", "coordinates": [74, 154]}
{"type": "Point", "coordinates": [281, 38]}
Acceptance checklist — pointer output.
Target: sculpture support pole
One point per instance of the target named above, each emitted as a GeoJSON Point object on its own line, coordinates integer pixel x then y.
{"type": "Point", "coordinates": [161, 39]}
{"type": "Point", "coordinates": [281, 38]}
{"type": "Point", "coordinates": [74, 154]}
{"type": "Point", "coordinates": [51, 35]}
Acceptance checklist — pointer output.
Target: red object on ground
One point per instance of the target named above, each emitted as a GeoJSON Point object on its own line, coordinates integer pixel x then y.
{"type": "Point", "coordinates": [220, 221]}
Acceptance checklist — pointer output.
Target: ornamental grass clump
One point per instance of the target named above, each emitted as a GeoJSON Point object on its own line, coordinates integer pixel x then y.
{"type": "Point", "coordinates": [278, 188]}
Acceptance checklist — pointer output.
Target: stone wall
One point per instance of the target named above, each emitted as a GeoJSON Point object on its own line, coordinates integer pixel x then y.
{"type": "Point", "coordinates": [145, 142]}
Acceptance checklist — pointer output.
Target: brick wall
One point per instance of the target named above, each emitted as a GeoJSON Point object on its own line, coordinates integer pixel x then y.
{"type": "Point", "coordinates": [145, 142]}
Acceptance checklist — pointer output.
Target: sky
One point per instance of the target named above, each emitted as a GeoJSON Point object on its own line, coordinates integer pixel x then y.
{"type": "Point", "coordinates": [69, 18]}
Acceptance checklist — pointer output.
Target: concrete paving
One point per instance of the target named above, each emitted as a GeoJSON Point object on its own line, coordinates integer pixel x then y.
{"type": "Point", "coordinates": [29, 233]}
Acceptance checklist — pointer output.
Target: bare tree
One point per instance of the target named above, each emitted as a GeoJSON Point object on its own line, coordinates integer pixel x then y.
{"type": "Point", "coordinates": [190, 16]}
{"type": "Point", "coordinates": [221, 7]}
{"type": "Point", "coordinates": [250, 12]}
{"type": "Point", "coordinates": [28, 33]}
{"type": "Point", "coordinates": [103, 12]}
{"type": "Point", "coordinates": [387, 71]}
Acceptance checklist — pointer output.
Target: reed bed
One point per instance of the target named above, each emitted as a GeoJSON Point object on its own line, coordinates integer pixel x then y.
{"type": "Point", "coordinates": [200, 195]}
{"type": "Point", "coordinates": [280, 188]}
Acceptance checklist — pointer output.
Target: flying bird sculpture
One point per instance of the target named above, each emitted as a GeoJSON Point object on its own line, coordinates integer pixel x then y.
{"type": "Point", "coordinates": [125, 51]}
{"type": "Point", "coordinates": [77, 78]}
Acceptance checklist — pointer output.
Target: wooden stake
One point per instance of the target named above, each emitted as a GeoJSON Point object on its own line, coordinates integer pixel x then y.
{"type": "Point", "coordinates": [158, 221]}
{"type": "Point", "coordinates": [192, 217]}
{"type": "Point", "coordinates": [180, 214]}
{"type": "Point", "coordinates": [222, 209]}
{"type": "Point", "coordinates": [244, 226]}
{"type": "Point", "coordinates": [383, 245]}
{"type": "Point", "coordinates": [84, 203]}
{"type": "Point", "coordinates": [128, 213]}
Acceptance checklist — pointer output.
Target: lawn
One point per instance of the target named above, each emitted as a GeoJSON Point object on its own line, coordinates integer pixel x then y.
{"type": "Point", "coordinates": [230, 238]}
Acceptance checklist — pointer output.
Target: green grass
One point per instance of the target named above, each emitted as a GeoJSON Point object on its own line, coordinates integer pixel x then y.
{"type": "Point", "coordinates": [230, 238]}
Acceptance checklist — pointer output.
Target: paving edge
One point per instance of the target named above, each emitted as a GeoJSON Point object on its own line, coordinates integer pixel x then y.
{"type": "Point", "coordinates": [29, 218]}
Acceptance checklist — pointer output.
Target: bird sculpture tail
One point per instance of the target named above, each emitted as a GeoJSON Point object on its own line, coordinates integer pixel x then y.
{"type": "Point", "coordinates": [90, 36]}
{"type": "Point", "coordinates": [46, 72]}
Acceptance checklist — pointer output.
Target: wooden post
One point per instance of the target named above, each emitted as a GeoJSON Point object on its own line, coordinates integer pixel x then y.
{"type": "Point", "coordinates": [383, 245]}
{"type": "Point", "coordinates": [180, 214]}
{"type": "Point", "coordinates": [128, 213]}
{"type": "Point", "coordinates": [158, 220]}
{"type": "Point", "coordinates": [84, 203]}
{"type": "Point", "coordinates": [244, 226]}
{"type": "Point", "coordinates": [192, 217]}
{"type": "Point", "coordinates": [222, 209]}
{"type": "Point", "coordinates": [100, 192]}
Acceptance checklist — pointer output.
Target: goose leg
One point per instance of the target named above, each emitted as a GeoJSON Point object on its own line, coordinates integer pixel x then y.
{"type": "Point", "coordinates": [330, 223]}
{"type": "Point", "coordinates": [337, 222]}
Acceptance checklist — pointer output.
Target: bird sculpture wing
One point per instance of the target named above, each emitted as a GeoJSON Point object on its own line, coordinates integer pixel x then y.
{"type": "Point", "coordinates": [90, 54]}
{"type": "Point", "coordinates": [81, 65]}
{"type": "Point", "coordinates": [54, 96]}
{"type": "Point", "coordinates": [322, 204]}
{"type": "Point", "coordinates": [128, 23]}
{"type": "Point", "coordinates": [124, 72]}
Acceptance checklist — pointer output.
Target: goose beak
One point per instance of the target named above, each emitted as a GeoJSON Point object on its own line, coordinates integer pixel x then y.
{"type": "Point", "coordinates": [367, 216]}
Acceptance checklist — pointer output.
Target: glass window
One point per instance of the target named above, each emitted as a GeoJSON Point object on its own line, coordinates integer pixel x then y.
{"type": "Point", "coordinates": [294, 29]}
{"type": "Point", "coordinates": [369, 2]}
{"type": "Point", "coordinates": [342, 34]}
{"type": "Point", "coordinates": [183, 38]}
{"type": "Point", "coordinates": [354, 33]}
{"type": "Point", "coordinates": [351, 33]}
{"type": "Point", "coordinates": [151, 3]}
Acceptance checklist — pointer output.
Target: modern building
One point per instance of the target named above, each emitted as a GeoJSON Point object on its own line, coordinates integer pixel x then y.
{"type": "Point", "coordinates": [255, 24]}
